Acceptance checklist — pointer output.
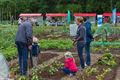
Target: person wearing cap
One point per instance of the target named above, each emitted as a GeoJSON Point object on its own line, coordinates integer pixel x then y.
{"type": "Point", "coordinates": [70, 67]}
{"type": "Point", "coordinates": [80, 39]}
{"type": "Point", "coordinates": [89, 38]}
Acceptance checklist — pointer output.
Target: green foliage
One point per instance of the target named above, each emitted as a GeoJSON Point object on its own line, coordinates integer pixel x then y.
{"type": "Point", "coordinates": [106, 44]}
{"type": "Point", "coordinates": [22, 78]}
{"type": "Point", "coordinates": [35, 77]}
{"type": "Point", "coordinates": [7, 37]}
{"type": "Point", "coordinates": [9, 52]}
{"type": "Point", "coordinates": [7, 43]}
{"type": "Point", "coordinates": [107, 33]}
{"type": "Point", "coordinates": [51, 69]}
{"type": "Point", "coordinates": [107, 59]}
{"type": "Point", "coordinates": [51, 30]}
{"type": "Point", "coordinates": [90, 71]}
{"type": "Point", "coordinates": [15, 7]}
{"type": "Point", "coordinates": [15, 69]}
{"type": "Point", "coordinates": [104, 30]}
{"type": "Point", "coordinates": [56, 65]}
{"type": "Point", "coordinates": [58, 44]}
{"type": "Point", "coordinates": [102, 76]}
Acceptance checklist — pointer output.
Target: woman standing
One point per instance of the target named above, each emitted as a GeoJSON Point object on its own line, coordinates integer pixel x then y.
{"type": "Point", "coordinates": [80, 39]}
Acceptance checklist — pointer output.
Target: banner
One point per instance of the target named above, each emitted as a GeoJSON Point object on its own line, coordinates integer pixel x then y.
{"type": "Point", "coordinates": [68, 17]}
{"type": "Point", "coordinates": [99, 20]}
{"type": "Point", "coordinates": [114, 15]}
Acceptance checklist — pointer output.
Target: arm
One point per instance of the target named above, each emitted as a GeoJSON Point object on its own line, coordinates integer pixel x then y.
{"type": "Point", "coordinates": [80, 34]}
{"type": "Point", "coordinates": [66, 64]}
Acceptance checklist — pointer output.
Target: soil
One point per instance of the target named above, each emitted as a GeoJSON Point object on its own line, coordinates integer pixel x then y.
{"type": "Point", "coordinates": [58, 75]}
{"type": "Point", "coordinates": [115, 51]}
{"type": "Point", "coordinates": [112, 50]}
{"type": "Point", "coordinates": [47, 56]}
{"type": "Point", "coordinates": [43, 57]}
{"type": "Point", "coordinates": [52, 36]}
{"type": "Point", "coordinates": [110, 76]}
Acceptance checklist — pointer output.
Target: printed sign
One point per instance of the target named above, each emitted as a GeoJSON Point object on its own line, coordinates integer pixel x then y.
{"type": "Point", "coordinates": [99, 20]}
{"type": "Point", "coordinates": [114, 15]}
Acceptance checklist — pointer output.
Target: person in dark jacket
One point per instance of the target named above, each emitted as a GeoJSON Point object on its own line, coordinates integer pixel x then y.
{"type": "Point", "coordinates": [80, 39]}
{"type": "Point", "coordinates": [24, 41]}
{"type": "Point", "coordinates": [89, 38]}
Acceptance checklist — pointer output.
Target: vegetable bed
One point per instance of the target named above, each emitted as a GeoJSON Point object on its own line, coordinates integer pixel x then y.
{"type": "Point", "coordinates": [95, 72]}
{"type": "Point", "coordinates": [14, 67]}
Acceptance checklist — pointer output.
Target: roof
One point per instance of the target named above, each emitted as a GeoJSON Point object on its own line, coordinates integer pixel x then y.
{"type": "Point", "coordinates": [118, 14]}
{"type": "Point", "coordinates": [65, 14]}
{"type": "Point", "coordinates": [110, 14]}
{"type": "Point", "coordinates": [29, 15]}
{"type": "Point", "coordinates": [107, 14]}
{"type": "Point", "coordinates": [85, 14]}
{"type": "Point", "coordinates": [57, 14]}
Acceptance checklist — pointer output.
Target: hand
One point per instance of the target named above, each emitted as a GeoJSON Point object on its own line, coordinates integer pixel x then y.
{"type": "Point", "coordinates": [30, 47]}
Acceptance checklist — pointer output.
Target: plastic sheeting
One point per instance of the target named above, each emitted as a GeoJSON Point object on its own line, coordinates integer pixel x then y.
{"type": "Point", "coordinates": [4, 70]}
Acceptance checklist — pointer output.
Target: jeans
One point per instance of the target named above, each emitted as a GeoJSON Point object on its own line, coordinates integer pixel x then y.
{"type": "Point", "coordinates": [80, 47]}
{"type": "Point", "coordinates": [22, 57]}
{"type": "Point", "coordinates": [87, 49]}
{"type": "Point", "coordinates": [67, 71]}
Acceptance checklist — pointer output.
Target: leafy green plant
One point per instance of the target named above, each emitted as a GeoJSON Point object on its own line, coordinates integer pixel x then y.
{"type": "Point", "coordinates": [90, 71]}
{"type": "Point", "coordinates": [35, 76]}
{"type": "Point", "coordinates": [57, 44]}
{"type": "Point", "coordinates": [22, 78]}
{"type": "Point", "coordinates": [101, 76]}
{"type": "Point", "coordinates": [56, 65]}
{"type": "Point", "coordinates": [107, 59]}
{"type": "Point", "coordinates": [9, 52]}
{"type": "Point", "coordinates": [103, 31]}
{"type": "Point", "coordinates": [15, 68]}
{"type": "Point", "coordinates": [7, 41]}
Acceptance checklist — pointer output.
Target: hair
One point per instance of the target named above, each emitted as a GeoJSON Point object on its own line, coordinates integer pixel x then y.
{"type": "Point", "coordinates": [80, 19]}
{"type": "Point", "coordinates": [68, 55]}
{"type": "Point", "coordinates": [85, 18]}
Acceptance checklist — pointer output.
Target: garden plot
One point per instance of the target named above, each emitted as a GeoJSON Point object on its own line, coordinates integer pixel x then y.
{"type": "Point", "coordinates": [54, 72]}
{"type": "Point", "coordinates": [56, 39]}
{"type": "Point", "coordinates": [98, 71]}
{"type": "Point", "coordinates": [43, 57]}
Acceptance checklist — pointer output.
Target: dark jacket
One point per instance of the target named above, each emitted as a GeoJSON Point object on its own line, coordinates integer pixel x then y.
{"type": "Point", "coordinates": [89, 36]}
{"type": "Point", "coordinates": [24, 33]}
{"type": "Point", "coordinates": [81, 34]}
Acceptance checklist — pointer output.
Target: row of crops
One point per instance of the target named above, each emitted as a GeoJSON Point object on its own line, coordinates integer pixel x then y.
{"type": "Point", "coordinates": [8, 48]}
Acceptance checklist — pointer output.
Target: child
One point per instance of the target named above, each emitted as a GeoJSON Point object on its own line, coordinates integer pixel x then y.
{"type": "Point", "coordinates": [70, 67]}
{"type": "Point", "coordinates": [35, 51]}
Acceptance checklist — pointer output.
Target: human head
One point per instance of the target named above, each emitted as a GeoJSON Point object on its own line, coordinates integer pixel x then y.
{"type": "Point", "coordinates": [21, 18]}
{"type": "Point", "coordinates": [85, 18]}
{"type": "Point", "coordinates": [24, 18]}
{"type": "Point", "coordinates": [68, 55]}
{"type": "Point", "coordinates": [35, 40]}
{"type": "Point", "coordinates": [79, 20]}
